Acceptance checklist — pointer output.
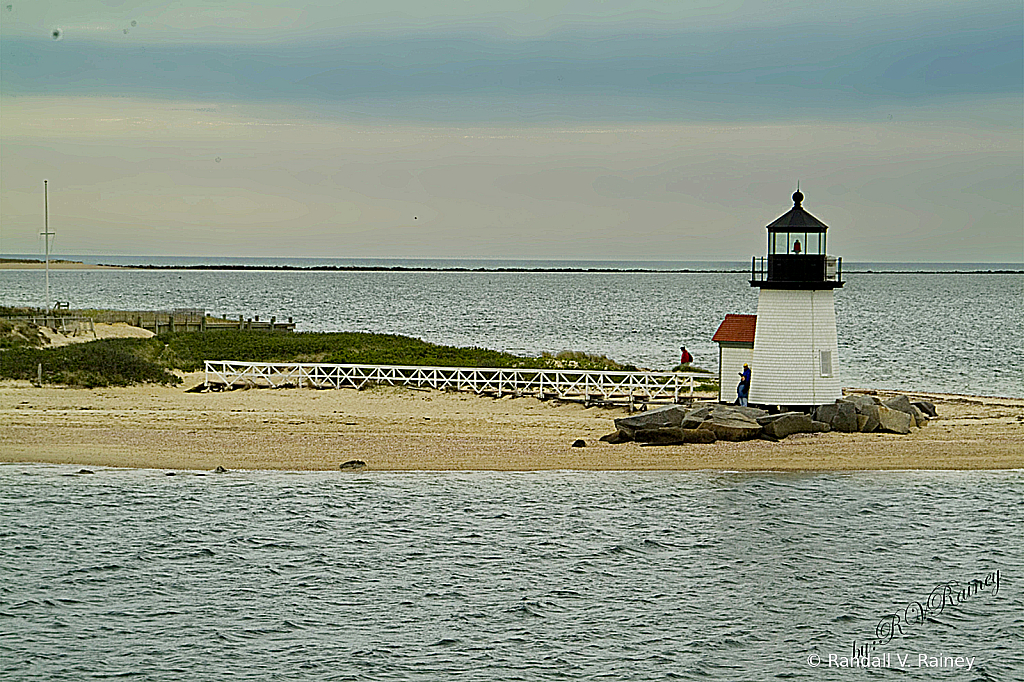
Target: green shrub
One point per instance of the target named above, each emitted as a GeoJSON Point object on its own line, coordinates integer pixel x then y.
{"type": "Point", "coordinates": [15, 334]}
{"type": "Point", "coordinates": [13, 311]}
{"type": "Point", "coordinates": [190, 350]}
{"type": "Point", "coordinates": [108, 362]}
{"type": "Point", "coordinates": [118, 362]}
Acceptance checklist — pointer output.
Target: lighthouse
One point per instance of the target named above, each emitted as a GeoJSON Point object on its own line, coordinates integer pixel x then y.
{"type": "Point", "coordinates": [795, 355]}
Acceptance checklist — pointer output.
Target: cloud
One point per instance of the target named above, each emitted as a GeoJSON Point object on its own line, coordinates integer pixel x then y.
{"type": "Point", "coordinates": [791, 72]}
{"type": "Point", "coordinates": [148, 181]}
{"type": "Point", "coordinates": [514, 128]}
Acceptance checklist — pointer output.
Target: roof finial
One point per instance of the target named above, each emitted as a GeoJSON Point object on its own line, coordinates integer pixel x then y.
{"type": "Point", "coordinates": [797, 196]}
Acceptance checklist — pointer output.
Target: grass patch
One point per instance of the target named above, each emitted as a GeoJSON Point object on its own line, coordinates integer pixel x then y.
{"type": "Point", "coordinates": [108, 362]}
{"type": "Point", "coordinates": [574, 359]}
{"type": "Point", "coordinates": [191, 350]}
{"type": "Point", "coordinates": [19, 311]}
{"type": "Point", "coordinates": [119, 362]}
{"type": "Point", "coordinates": [18, 334]}
{"type": "Point", "coordinates": [690, 368]}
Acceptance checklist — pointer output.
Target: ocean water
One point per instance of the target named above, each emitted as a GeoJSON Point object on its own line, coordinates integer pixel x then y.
{"type": "Point", "coordinates": [937, 332]}
{"type": "Point", "coordinates": [133, 574]}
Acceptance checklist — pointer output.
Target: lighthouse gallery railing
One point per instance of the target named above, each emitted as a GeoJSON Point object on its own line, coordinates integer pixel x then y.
{"type": "Point", "coordinates": [831, 268]}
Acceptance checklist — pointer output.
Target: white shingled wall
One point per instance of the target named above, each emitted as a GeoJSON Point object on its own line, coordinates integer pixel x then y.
{"type": "Point", "coordinates": [730, 364]}
{"type": "Point", "coordinates": [793, 328]}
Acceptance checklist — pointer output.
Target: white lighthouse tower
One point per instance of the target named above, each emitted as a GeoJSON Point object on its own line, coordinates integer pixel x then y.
{"type": "Point", "coordinates": [795, 346]}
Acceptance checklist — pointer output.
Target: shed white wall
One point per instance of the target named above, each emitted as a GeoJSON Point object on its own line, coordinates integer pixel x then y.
{"type": "Point", "coordinates": [793, 327]}
{"type": "Point", "coordinates": [730, 364]}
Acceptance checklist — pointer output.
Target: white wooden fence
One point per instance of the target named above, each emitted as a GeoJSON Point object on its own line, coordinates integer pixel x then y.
{"type": "Point", "coordinates": [587, 386]}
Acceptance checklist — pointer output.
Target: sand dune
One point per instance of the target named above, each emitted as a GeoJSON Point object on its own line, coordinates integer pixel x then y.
{"type": "Point", "coordinates": [98, 330]}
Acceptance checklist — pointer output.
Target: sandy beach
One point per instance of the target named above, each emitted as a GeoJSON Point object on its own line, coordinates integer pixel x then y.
{"type": "Point", "coordinates": [399, 429]}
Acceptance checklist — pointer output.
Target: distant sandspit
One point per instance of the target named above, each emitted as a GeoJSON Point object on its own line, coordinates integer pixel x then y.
{"type": "Point", "coordinates": [397, 429]}
{"type": "Point", "coordinates": [9, 264]}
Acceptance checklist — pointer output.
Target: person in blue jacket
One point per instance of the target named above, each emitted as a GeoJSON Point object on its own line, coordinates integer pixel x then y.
{"type": "Point", "coordinates": [743, 390]}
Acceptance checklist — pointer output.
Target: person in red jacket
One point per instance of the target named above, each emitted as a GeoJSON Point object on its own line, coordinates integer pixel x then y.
{"type": "Point", "coordinates": [686, 357]}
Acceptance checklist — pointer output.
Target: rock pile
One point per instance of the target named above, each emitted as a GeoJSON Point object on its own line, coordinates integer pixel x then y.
{"type": "Point", "coordinates": [865, 413]}
{"type": "Point", "coordinates": [706, 424]}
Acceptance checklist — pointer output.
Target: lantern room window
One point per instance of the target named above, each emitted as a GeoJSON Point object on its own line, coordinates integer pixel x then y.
{"type": "Point", "coordinates": [798, 243]}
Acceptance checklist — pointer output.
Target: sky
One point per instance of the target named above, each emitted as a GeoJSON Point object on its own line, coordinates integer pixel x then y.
{"type": "Point", "coordinates": [507, 129]}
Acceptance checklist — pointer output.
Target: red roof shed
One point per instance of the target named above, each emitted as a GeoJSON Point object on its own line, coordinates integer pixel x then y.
{"type": "Point", "coordinates": [736, 329]}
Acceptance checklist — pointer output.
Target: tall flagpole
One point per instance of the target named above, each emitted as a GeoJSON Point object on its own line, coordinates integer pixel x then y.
{"type": "Point", "coordinates": [46, 236]}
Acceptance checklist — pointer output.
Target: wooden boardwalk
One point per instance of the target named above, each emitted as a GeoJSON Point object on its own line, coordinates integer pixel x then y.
{"type": "Point", "coordinates": [586, 386]}
{"type": "Point", "coordinates": [187, 320]}
{"type": "Point", "coordinates": [184, 320]}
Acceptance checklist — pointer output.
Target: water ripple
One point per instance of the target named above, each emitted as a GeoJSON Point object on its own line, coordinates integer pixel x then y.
{"type": "Point", "coordinates": [482, 576]}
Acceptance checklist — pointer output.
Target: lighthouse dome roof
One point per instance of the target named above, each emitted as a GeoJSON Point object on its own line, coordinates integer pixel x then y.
{"type": "Point", "coordinates": [797, 219]}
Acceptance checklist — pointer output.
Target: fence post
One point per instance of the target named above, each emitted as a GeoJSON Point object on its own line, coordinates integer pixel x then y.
{"type": "Point", "coordinates": [170, 323]}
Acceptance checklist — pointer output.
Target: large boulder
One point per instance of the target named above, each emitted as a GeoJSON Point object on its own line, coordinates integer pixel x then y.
{"type": "Point", "coordinates": [353, 465]}
{"type": "Point", "coordinates": [867, 418]}
{"type": "Point", "coordinates": [673, 435]}
{"type": "Point", "coordinates": [615, 438]}
{"type": "Point", "coordinates": [820, 427]}
{"type": "Point", "coordinates": [699, 436]}
{"type": "Point", "coordinates": [665, 435]}
{"type": "Point", "coordinates": [840, 415]}
{"type": "Point", "coordinates": [920, 416]}
{"type": "Point", "coordinates": [867, 423]}
{"type": "Point", "coordinates": [748, 412]}
{"type": "Point", "coordinates": [926, 407]}
{"type": "Point", "coordinates": [893, 421]}
{"type": "Point", "coordinates": [731, 426]}
{"type": "Point", "coordinates": [826, 413]}
{"type": "Point", "coordinates": [702, 412]}
{"type": "Point", "coordinates": [867, 410]}
{"type": "Point", "coordinates": [769, 418]}
{"type": "Point", "coordinates": [691, 423]}
{"type": "Point", "coordinates": [653, 419]}
{"type": "Point", "coordinates": [903, 404]}
{"type": "Point", "coordinates": [697, 416]}
{"type": "Point", "coordinates": [862, 401]}
{"type": "Point", "coordinates": [694, 418]}
{"type": "Point", "coordinates": [845, 418]}
{"type": "Point", "coordinates": [788, 423]}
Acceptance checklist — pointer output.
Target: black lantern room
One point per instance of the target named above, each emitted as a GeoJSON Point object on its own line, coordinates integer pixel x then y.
{"type": "Point", "coordinates": [797, 256]}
